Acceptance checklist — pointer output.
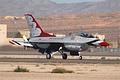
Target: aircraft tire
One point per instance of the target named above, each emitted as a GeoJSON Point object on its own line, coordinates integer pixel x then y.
{"type": "Point", "coordinates": [64, 56]}
{"type": "Point", "coordinates": [80, 57]}
{"type": "Point", "coordinates": [48, 56]}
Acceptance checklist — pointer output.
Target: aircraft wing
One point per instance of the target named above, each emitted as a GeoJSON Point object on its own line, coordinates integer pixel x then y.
{"type": "Point", "coordinates": [22, 43]}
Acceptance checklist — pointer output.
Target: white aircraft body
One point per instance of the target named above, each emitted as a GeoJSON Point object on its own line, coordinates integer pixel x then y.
{"type": "Point", "coordinates": [49, 44]}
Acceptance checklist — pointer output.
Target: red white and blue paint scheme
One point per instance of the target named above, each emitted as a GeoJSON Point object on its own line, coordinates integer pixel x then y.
{"type": "Point", "coordinates": [50, 44]}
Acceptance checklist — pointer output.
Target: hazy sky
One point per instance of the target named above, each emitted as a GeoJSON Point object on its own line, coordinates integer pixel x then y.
{"type": "Point", "coordinates": [75, 1]}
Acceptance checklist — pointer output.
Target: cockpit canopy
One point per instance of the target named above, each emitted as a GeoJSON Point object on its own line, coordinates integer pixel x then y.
{"type": "Point", "coordinates": [86, 35]}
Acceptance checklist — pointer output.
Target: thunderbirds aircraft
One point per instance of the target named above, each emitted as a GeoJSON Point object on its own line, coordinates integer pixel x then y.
{"type": "Point", "coordinates": [49, 44]}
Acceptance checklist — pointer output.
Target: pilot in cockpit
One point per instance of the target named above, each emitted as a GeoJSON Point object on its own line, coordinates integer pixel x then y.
{"type": "Point", "coordinates": [86, 35]}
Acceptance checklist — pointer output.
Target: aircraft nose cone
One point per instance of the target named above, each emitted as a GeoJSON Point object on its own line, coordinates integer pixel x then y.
{"type": "Point", "coordinates": [104, 44]}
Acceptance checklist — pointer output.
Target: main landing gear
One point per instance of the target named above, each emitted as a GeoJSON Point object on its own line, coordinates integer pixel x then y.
{"type": "Point", "coordinates": [80, 57]}
{"type": "Point", "coordinates": [49, 55]}
{"type": "Point", "coordinates": [64, 55]}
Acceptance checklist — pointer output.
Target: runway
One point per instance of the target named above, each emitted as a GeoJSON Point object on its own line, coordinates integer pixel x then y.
{"type": "Point", "coordinates": [59, 60]}
{"type": "Point", "coordinates": [113, 54]}
{"type": "Point", "coordinates": [43, 60]}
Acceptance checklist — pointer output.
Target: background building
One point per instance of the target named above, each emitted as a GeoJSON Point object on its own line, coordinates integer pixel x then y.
{"type": "Point", "coordinates": [3, 34]}
{"type": "Point", "coordinates": [25, 32]}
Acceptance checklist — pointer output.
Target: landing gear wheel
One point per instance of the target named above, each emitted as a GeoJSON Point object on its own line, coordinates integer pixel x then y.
{"type": "Point", "coordinates": [48, 56]}
{"type": "Point", "coordinates": [80, 57]}
{"type": "Point", "coordinates": [64, 56]}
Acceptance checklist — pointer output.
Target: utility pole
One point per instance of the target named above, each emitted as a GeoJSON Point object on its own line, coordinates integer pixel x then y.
{"type": "Point", "coordinates": [119, 38]}
{"type": "Point", "coordinates": [118, 41]}
{"type": "Point", "coordinates": [14, 22]}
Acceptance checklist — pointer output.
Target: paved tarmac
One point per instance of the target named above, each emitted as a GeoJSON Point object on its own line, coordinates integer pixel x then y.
{"type": "Point", "coordinates": [43, 60]}
{"type": "Point", "coordinates": [114, 54]}
{"type": "Point", "coordinates": [59, 60]}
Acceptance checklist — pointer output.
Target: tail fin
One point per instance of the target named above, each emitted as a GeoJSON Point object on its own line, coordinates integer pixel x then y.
{"type": "Point", "coordinates": [35, 29]}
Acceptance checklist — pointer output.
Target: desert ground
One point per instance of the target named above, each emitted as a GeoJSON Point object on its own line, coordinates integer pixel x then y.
{"type": "Point", "coordinates": [42, 71]}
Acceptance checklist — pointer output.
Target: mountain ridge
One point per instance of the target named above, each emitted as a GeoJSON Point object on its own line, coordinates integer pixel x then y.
{"type": "Point", "coordinates": [47, 7]}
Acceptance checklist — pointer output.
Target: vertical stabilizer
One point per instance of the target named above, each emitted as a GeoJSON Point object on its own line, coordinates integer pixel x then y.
{"type": "Point", "coordinates": [35, 29]}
